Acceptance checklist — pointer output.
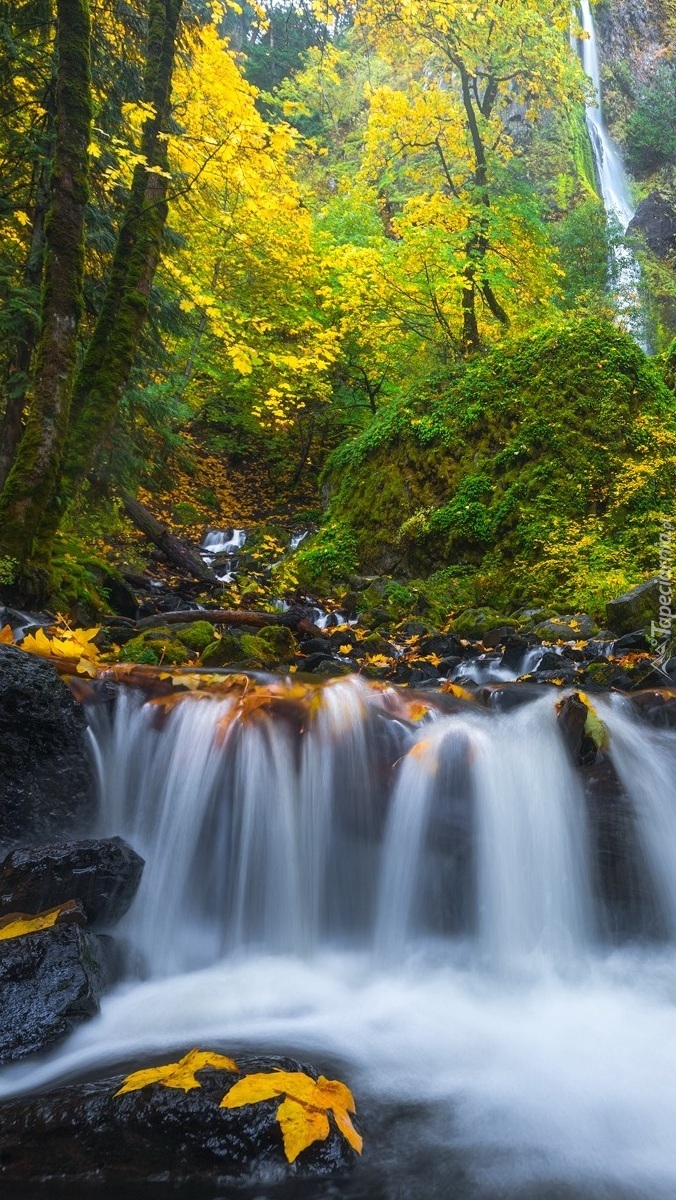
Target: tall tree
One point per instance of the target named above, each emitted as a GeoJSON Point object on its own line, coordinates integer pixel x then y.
{"type": "Point", "coordinates": [487, 62]}
{"type": "Point", "coordinates": [36, 467]}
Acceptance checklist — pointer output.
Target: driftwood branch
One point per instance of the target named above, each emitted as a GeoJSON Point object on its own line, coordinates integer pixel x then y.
{"type": "Point", "coordinates": [295, 618]}
{"type": "Point", "coordinates": [178, 552]}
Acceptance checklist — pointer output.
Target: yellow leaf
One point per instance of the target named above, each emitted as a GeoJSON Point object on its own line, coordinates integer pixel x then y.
{"type": "Point", "coordinates": [6, 636]}
{"type": "Point", "coordinates": [17, 924]}
{"type": "Point", "coordinates": [302, 1114]}
{"type": "Point", "coordinates": [301, 1126]}
{"type": "Point", "coordinates": [345, 649]}
{"type": "Point", "coordinates": [178, 1075]}
{"type": "Point", "coordinates": [454, 689]}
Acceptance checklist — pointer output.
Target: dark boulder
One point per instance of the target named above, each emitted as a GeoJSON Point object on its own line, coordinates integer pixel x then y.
{"type": "Point", "coordinates": [46, 779]}
{"type": "Point", "coordinates": [623, 880]}
{"type": "Point", "coordinates": [50, 982]}
{"type": "Point", "coordinates": [655, 219]}
{"type": "Point", "coordinates": [103, 874]}
{"type": "Point", "coordinates": [635, 609]}
{"type": "Point", "coordinates": [84, 1132]}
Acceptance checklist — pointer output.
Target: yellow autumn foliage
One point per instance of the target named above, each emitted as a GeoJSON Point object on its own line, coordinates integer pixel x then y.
{"type": "Point", "coordinates": [302, 1115]}
{"type": "Point", "coordinates": [18, 924]}
{"type": "Point", "coordinates": [180, 1074]}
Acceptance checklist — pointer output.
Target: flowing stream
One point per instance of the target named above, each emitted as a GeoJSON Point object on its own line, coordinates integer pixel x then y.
{"type": "Point", "coordinates": [614, 185]}
{"type": "Point", "coordinates": [413, 899]}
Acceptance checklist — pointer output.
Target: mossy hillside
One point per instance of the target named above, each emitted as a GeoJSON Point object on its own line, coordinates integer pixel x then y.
{"type": "Point", "coordinates": [540, 472]}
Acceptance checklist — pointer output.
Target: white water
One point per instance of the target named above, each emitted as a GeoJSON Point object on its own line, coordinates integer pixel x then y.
{"type": "Point", "coordinates": [415, 901]}
{"type": "Point", "coordinates": [614, 189]}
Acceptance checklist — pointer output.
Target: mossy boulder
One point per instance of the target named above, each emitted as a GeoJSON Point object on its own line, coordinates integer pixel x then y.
{"type": "Point", "coordinates": [225, 651]}
{"type": "Point", "coordinates": [154, 647]}
{"type": "Point", "coordinates": [540, 470]}
{"type": "Point", "coordinates": [197, 636]}
{"type": "Point", "coordinates": [271, 647]}
{"type": "Point", "coordinates": [475, 622]}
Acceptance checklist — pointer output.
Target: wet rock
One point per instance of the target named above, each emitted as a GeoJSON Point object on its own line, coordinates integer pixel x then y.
{"type": "Point", "coordinates": [119, 594]}
{"type": "Point", "coordinates": [656, 707]}
{"type": "Point", "coordinates": [572, 718]}
{"type": "Point", "coordinates": [103, 874]}
{"type": "Point", "coordinates": [46, 779]}
{"type": "Point", "coordinates": [515, 649]}
{"type": "Point", "coordinates": [320, 645]}
{"type": "Point", "coordinates": [566, 629]}
{"type": "Point", "coordinates": [635, 609]}
{"type": "Point", "coordinates": [498, 637]}
{"type": "Point", "coordinates": [443, 644]}
{"type": "Point", "coordinates": [655, 219]}
{"type": "Point", "coordinates": [623, 880]}
{"type": "Point", "coordinates": [504, 697]}
{"type": "Point", "coordinates": [50, 982]}
{"type": "Point", "coordinates": [84, 1132]}
{"type": "Point", "coordinates": [630, 642]}
{"type": "Point", "coordinates": [421, 673]}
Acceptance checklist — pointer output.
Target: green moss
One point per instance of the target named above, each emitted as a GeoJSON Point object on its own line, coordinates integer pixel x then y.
{"type": "Point", "coordinates": [225, 652]}
{"type": "Point", "coordinates": [155, 646]}
{"type": "Point", "coordinates": [197, 637]}
{"type": "Point", "coordinates": [270, 648]}
{"type": "Point", "coordinates": [539, 473]}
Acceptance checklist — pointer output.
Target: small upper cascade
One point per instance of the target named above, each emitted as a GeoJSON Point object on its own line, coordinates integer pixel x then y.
{"type": "Point", "coordinates": [615, 189]}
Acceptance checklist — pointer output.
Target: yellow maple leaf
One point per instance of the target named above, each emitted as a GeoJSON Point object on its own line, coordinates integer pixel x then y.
{"type": "Point", "coordinates": [6, 636]}
{"type": "Point", "coordinates": [302, 1114]}
{"type": "Point", "coordinates": [378, 660]}
{"type": "Point", "coordinates": [71, 644]}
{"type": "Point", "coordinates": [180, 1074]}
{"type": "Point", "coordinates": [301, 1126]}
{"type": "Point", "coordinates": [17, 924]}
{"type": "Point", "coordinates": [345, 649]}
{"type": "Point", "coordinates": [454, 689]}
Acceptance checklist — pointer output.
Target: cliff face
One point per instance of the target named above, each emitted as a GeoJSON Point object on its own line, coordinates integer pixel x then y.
{"type": "Point", "coordinates": [634, 34]}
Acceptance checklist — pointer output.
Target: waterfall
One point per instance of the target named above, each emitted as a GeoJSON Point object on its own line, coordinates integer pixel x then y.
{"type": "Point", "coordinates": [354, 818]}
{"type": "Point", "coordinates": [615, 190]}
{"type": "Point", "coordinates": [413, 891]}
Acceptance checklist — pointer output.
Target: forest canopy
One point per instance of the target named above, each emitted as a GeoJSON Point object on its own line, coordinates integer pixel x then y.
{"type": "Point", "coordinates": [249, 233]}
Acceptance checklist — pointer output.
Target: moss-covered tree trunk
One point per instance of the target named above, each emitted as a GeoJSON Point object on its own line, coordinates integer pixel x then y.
{"type": "Point", "coordinates": [18, 367]}
{"type": "Point", "coordinates": [31, 482]}
{"type": "Point", "coordinates": [108, 362]}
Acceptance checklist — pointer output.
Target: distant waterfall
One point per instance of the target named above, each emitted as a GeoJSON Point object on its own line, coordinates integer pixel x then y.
{"type": "Point", "coordinates": [614, 189]}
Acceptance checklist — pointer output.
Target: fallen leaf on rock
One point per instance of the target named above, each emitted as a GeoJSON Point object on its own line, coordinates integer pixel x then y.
{"type": "Point", "coordinates": [454, 689]}
{"type": "Point", "coordinates": [6, 636]}
{"type": "Point", "coordinates": [302, 1115]}
{"type": "Point", "coordinates": [180, 1074]}
{"type": "Point", "coordinates": [17, 924]}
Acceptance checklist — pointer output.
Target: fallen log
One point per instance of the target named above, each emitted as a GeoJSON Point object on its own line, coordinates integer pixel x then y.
{"type": "Point", "coordinates": [178, 552]}
{"type": "Point", "coordinates": [295, 618]}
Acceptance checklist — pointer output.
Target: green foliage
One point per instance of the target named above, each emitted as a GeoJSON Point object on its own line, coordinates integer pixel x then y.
{"type": "Point", "coordinates": [651, 129]}
{"type": "Point", "coordinates": [154, 647]}
{"type": "Point", "coordinates": [8, 568]}
{"type": "Point", "coordinates": [540, 472]}
{"type": "Point", "coordinates": [329, 556]}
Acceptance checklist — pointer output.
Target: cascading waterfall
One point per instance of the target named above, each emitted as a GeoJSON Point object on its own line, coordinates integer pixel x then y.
{"type": "Point", "coordinates": [614, 190]}
{"type": "Point", "coordinates": [410, 886]}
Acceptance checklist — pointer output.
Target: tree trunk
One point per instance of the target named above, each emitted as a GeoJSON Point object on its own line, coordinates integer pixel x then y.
{"type": "Point", "coordinates": [295, 618]}
{"type": "Point", "coordinates": [18, 368]}
{"type": "Point", "coordinates": [34, 475]}
{"type": "Point", "coordinates": [182, 555]}
{"type": "Point", "coordinates": [108, 363]}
